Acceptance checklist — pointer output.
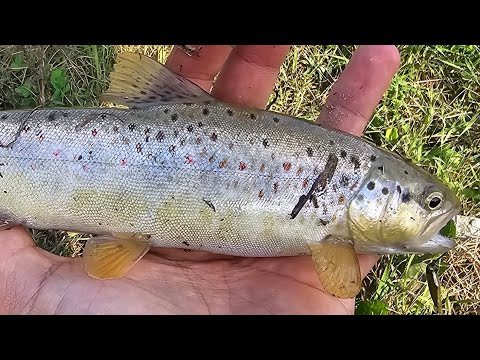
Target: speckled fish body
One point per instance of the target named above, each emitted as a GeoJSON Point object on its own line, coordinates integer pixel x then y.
{"type": "Point", "coordinates": [192, 172]}
{"type": "Point", "coordinates": [201, 176]}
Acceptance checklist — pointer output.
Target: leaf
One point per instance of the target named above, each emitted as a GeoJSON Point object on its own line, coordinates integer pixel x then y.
{"type": "Point", "coordinates": [18, 62]}
{"type": "Point", "coordinates": [58, 79]}
{"type": "Point", "coordinates": [24, 90]}
{"type": "Point", "coordinates": [371, 307]}
{"type": "Point", "coordinates": [391, 134]}
{"type": "Point", "coordinates": [449, 230]}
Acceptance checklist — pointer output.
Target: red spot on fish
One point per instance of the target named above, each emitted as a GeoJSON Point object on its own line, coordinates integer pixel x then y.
{"type": "Point", "coordinates": [242, 165]}
{"type": "Point", "coordinates": [299, 170]}
{"type": "Point", "coordinates": [94, 132]}
{"type": "Point", "coordinates": [262, 167]}
{"type": "Point", "coordinates": [305, 183]}
{"type": "Point", "coordinates": [260, 194]}
{"type": "Point", "coordinates": [287, 166]}
{"type": "Point", "coordinates": [189, 159]}
{"type": "Point", "coordinates": [85, 168]}
{"type": "Point", "coordinates": [33, 167]}
{"type": "Point", "coordinates": [124, 162]}
{"type": "Point", "coordinates": [223, 163]}
{"type": "Point", "coordinates": [56, 153]}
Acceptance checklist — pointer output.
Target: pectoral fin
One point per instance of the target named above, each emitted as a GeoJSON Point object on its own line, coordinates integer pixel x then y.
{"type": "Point", "coordinates": [336, 264]}
{"type": "Point", "coordinates": [112, 256]}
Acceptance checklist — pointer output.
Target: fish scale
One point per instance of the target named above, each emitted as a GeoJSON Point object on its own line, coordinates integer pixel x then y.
{"type": "Point", "coordinates": [178, 168]}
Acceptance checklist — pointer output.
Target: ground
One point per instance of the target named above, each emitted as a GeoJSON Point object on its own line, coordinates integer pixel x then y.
{"type": "Point", "coordinates": [430, 113]}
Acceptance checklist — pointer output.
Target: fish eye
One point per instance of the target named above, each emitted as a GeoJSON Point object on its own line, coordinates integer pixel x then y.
{"type": "Point", "coordinates": [434, 200]}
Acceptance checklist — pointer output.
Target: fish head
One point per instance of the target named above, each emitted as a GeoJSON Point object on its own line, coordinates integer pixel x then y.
{"type": "Point", "coordinates": [401, 208]}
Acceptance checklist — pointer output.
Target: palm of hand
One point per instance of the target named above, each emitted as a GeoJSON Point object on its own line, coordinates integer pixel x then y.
{"type": "Point", "coordinates": [163, 282]}
{"type": "Point", "coordinates": [172, 281]}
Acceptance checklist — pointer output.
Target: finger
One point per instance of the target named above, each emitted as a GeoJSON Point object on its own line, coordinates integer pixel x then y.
{"type": "Point", "coordinates": [200, 70]}
{"type": "Point", "coordinates": [366, 263]}
{"type": "Point", "coordinates": [249, 74]}
{"type": "Point", "coordinates": [360, 87]}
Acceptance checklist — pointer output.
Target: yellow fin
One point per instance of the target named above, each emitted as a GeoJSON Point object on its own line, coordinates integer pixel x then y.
{"type": "Point", "coordinates": [138, 81]}
{"type": "Point", "coordinates": [336, 264]}
{"type": "Point", "coordinates": [112, 256]}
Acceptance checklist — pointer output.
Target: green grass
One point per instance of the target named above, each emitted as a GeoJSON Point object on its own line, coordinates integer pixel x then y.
{"type": "Point", "coordinates": [429, 113]}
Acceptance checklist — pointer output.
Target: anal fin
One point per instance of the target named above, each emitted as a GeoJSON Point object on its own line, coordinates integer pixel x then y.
{"type": "Point", "coordinates": [336, 264]}
{"type": "Point", "coordinates": [112, 256]}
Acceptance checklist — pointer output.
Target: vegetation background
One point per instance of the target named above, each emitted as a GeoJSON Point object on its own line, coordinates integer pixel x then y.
{"type": "Point", "coordinates": [430, 113]}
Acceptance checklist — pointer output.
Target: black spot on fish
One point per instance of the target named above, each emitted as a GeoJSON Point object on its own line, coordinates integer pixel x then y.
{"type": "Point", "coordinates": [205, 111]}
{"type": "Point", "coordinates": [399, 189]}
{"type": "Point", "coordinates": [147, 138]}
{"type": "Point", "coordinates": [309, 151]}
{"type": "Point", "coordinates": [331, 142]}
{"type": "Point", "coordinates": [151, 97]}
{"type": "Point", "coordinates": [103, 116]}
{"type": "Point", "coordinates": [214, 137]}
{"type": "Point", "coordinates": [371, 185]}
{"type": "Point", "coordinates": [230, 112]}
{"type": "Point", "coordinates": [343, 154]}
{"type": "Point", "coordinates": [185, 243]}
{"type": "Point", "coordinates": [406, 196]}
{"type": "Point", "coordinates": [265, 143]}
{"type": "Point", "coordinates": [373, 158]}
{"type": "Point", "coordinates": [160, 135]}
{"type": "Point", "coordinates": [143, 92]}
{"type": "Point", "coordinates": [276, 119]}
{"type": "Point", "coordinates": [4, 116]}
{"type": "Point", "coordinates": [139, 147]}
{"type": "Point", "coordinates": [406, 172]}
{"type": "Point", "coordinates": [174, 117]}
{"type": "Point", "coordinates": [90, 152]}
{"type": "Point", "coordinates": [51, 116]}
{"type": "Point", "coordinates": [190, 128]}
{"type": "Point", "coordinates": [64, 114]}
{"type": "Point", "coordinates": [252, 116]}
{"type": "Point", "coordinates": [166, 110]}
{"type": "Point", "coordinates": [175, 133]}
{"type": "Point", "coordinates": [380, 168]}
{"type": "Point", "coordinates": [1, 176]}
{"type": "Point", "coordinates": [344, 180]}
{"type": "Point", "coordinates": [131, 127]}
{"type": "Point", "coordinates": [323, 222]}
{"type": "Point", "coordinates": [385, 191]}
{"type": "Point", "coordinates": [200, 124]}
{"type": "Point", "coordinates": [80, 157]}
{"type": "Point", "coordinates": [147, 131]}
{"type": "Point", "coordinates": [171, 148]}
{"type": "Point", "coordinates": [356, 162]}
{"type": "Point", "coordinates": [210, 205]}
{"type": "Point", "coordinates": [168, 92]}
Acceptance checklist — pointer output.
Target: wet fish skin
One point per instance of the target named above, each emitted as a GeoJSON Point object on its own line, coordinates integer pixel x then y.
{"type": "Point", "coordinates": [216, 182]}
{"type": "Point", "coordinates": [191, 172]}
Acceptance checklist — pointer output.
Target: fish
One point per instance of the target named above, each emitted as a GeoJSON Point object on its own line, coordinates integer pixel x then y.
{"type": "Point", "coordinates": [170, 166]}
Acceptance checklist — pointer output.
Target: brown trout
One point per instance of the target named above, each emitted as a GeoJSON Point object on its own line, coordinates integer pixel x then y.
{"type": "Point", "coordinates": [174, 167]}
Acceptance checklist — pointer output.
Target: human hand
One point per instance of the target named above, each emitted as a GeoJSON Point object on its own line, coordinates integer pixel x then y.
{"type": "Point", "coordinates": [33, 281]}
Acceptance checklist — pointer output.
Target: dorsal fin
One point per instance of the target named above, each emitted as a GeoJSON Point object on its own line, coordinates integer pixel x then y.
{"type": "Point", "coordinates": [139, 81]}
